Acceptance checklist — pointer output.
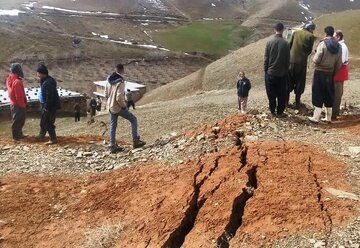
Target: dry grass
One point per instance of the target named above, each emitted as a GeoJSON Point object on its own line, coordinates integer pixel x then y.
{"type": "Point", "coordinates": [104, 236]}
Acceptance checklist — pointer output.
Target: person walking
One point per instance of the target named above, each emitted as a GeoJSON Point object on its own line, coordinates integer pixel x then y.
{"type": "Point", "coordinates": [50, 96]}
{"type": "Point", "coordinates": [301, 45]}
{"type": "Point", "coordinates": [93, 105]}
{"type": "Point", "coordinates": [341, 76]}
{"type": "Point", "coordinates": [18, 100]}
{"type": "Point", "coordinates": [327, 60]}
{"type": "Point", "coordinates": [98, 103]}
{"type": "Point", "coordinates": [115, 93]}
{"type": "Point", "coordinates": [77, 111]}
{"type": "Point", "coordinates": [129, 99]}
{"type": "Point", "coordinates": [276, 66]}
{"type": "Point", "coordinates": [243, 86]}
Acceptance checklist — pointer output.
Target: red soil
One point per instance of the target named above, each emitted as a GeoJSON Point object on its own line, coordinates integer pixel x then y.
{"type": "Point", "coordinates": [200, 203]}
{"type": "Point", "coordinates": [227, 126]}
{"type": "Point", "coordinates": [349, 123]}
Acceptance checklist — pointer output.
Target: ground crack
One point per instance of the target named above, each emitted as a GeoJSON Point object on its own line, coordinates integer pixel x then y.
{"type": "Point", "coordinates": [177, 237]}
{"type": "Point", "coordinates": [239, 202]}
{"type": "Point", "coordinates": [238, 209]}
{"type": "Point", "coordinates": [324, 211]}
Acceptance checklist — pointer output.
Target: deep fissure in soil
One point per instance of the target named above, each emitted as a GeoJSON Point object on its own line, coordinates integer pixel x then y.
{"type": "Point", "coordinates": [177, 237]}
{"type": "Point", "coordinates": [324, 211]}
{"type": "Point", "coordinates": [238, 210]}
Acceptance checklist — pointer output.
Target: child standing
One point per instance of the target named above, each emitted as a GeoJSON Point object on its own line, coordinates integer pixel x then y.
{"type": "Point", "coordinates": [243, 86]}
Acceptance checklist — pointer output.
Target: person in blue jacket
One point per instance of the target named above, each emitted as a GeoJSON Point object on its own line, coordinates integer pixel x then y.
{"type": "Point", "coordinates": [243, 86]}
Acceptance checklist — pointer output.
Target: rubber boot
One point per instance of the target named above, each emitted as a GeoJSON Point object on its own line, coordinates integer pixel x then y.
{"type": "Point", "coordinates": [317, 114]}
{"type": "Point", "coordinates": [53, 139]}
{"type": "Point", "coordinates": [328, 115]}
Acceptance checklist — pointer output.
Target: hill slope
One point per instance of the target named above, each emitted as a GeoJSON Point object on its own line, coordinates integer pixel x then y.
{"type": "Point", "coordinates": [218, 75]}
{"type": "Point", "coordinates": [222, 73]}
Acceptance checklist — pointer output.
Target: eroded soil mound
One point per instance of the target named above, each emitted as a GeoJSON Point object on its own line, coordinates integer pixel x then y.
{"type": "Point", "coordinates": [249, 194]}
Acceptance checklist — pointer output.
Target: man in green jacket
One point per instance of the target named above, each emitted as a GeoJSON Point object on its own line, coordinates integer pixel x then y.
{"type": "Point", "coordinates": [301, 45]}
{"type": "Point", "coordinates": [276, 67]}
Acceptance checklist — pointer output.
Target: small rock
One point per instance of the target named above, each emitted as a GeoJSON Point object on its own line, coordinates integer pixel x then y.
{"type": "Point", "coordinates": [216, 130]}
{"type": "Point", "coordinates": [5, 148]}
{"type": "Point", "coordinates": [200, 137]}
{"type": "Point", "coordinates": [343, 194]}
{"type": "Point", "coordinates": [320, 244]}
{"type": "Point", "coordinates": [251, 138]}
{"type": "Point", "coordinates": [273, 125]}
{"type": "Point", "coordinates": [136, 150]}
{"type": "Point", "coordinates": [312, 241]}
{"type": "Point", "coordinates": [354, 150]}
{"type": "Point", "coordinates": [213, 136]}
{"type": "Point", "coordinates": [87, 154]}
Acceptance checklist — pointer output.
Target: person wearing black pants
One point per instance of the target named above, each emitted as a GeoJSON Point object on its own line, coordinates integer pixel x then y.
{"type": "Point", "coordinates": [129, 99]}
{"type": "Point", "coordinates": [50, 106]}
{"type": "Point", "coordinates": [276, 66]}
{"type": "Point", "coordinates": [77, 112]}
{"type": "Point", "coordinates": [18, 101]}
{"type": "Point", "coordinates": [327, 60]}
{"type": "Point", "coordinates": [276, 90]}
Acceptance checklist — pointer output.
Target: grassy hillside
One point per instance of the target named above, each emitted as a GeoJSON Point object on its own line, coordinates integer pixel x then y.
{"type": "Point", "coordinates": [346, 21]}
{"type": "Point", "coordinates": [212, 37]}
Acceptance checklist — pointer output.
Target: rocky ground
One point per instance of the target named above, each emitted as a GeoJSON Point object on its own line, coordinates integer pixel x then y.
{"type": "Point", "coordinates": [321, 176]}
{"type": "Point", "coordinates": [237, 181]}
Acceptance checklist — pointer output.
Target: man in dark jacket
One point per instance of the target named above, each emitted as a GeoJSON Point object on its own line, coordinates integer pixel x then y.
{"type": "Point", "coordinates": [243, 86]}
{"type": "Point", "coordinates": [92, 105]}
{"type": "Point", "coordinates": [301, 45]}
{"type": "Point", "coordinates": [327, 60]}
{"type": "Point", "coordinates": [77, 111]}
{"type": "Point", "coordinates": [276, 66]}
{"type": "Point", "coordinates": [51, 104]}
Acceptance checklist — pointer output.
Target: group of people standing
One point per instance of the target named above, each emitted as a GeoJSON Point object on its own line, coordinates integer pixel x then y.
{"type": "Point", "coordinates": [49, 101]}
{"type": "Point", "coordinates": [118, 105]}
{"type": "Point", "coordinates": [285, 66]}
